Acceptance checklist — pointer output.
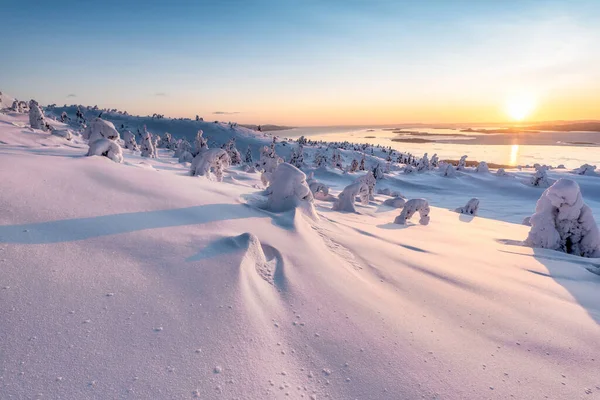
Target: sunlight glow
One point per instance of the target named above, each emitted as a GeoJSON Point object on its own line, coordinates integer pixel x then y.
{"type": "Point", "coordinates": [514, 154]}
{"type": "Point", "coordinates": [520, 107]}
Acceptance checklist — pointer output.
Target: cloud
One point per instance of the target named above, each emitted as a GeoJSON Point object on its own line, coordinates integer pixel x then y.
{"type": "Point", "coordinates": [71, 95]}
{"type": "Point", "coordinates": [160, 94]}
{"type": "Point", "coordinates": [226, 112]}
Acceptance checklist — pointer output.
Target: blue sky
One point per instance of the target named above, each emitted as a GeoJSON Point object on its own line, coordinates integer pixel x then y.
{"type": "Point", "coordinates": [305, 62]}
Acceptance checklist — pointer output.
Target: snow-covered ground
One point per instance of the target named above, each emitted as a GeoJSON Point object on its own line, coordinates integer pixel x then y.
{"type": "Point", "coordinates": [136, 280]}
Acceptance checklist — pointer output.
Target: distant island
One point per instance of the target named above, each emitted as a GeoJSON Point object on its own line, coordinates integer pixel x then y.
{"type": "Point", "coordinates": [267, 127]}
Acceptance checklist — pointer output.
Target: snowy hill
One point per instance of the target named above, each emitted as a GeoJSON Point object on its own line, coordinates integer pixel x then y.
{"type": "Point", "coordinates": [136, 280]}
{"type": "Point", "coordinates": [5, 101]}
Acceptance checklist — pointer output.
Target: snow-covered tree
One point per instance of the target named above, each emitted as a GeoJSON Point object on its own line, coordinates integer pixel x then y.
{"type": "Point", "coordinates": [353, 166]}
{"type": "Point", "coordinates": [16, 106]}
{"type": "Point", "coordinates": [540, 178]}
{"type": "Point", "coordinates": [167, 142]}
{"type": "Point", "coordinates": [462, 163]}
{"type": "Point", "coordinates": [147, 146]}
{"type": "Point", "coordinates": [361, 167]}
{"type": "Point", "coordinates": [563, 222]}
{"type": "Point", "coordinates": [470, 208]}
{"type": "Point", "coordinates": [410, 208]}
{"type": "Point", "coordinates": [64, 117]}
{"type": "Point", "coordinates": [297, 157]}
{"type": "Point", "coordinates": [378, 172]}
{"type": "Point", "coordinates": [409, 169]}
{"type": "Point", "coordinates": [36, 116]}
{"type": "Point", "coordinates": [100, 128]}
{"type": "Point", "coordinates": [129, 139]}
{"type": "Point", "coordinates": [320, 159]}
{"type": "Point", "coordinates": [501, 172]}
{"type": "Point", "coordinates": [346, 199]}
{"type": "Point", "coordinates": [423, 164]}
{"type": "Point", "coordinates": [435, 161]}
{"type": "Point", "coordinates": [288, 189]}
{"type": "Point", "coordinates": [585, 169]}
{"type": "Point", "coordinates": [248, 158]}
{"type": "Point", "coordinates": [447, 170]}
{"type": "Point", "coordinates": [210, 161]}
{"type": "Point", "coordinates": [482, 167]}
{"type": "Point", "coordinates": [369, 180]}
{"type": "Point", "coordinates": [200, 143]}
{"type": "Point", "coordinates": [268, 162]}
{"type": "Point", "coordinates": [336, 160]}
{"type": "Point", "coordinates": [183, 146]}
{"type": "Point", "coordinates": [317, 188]}
{"type": "Point", "coordinates": [235, 158]}
{"type": "Point", "coordinates": [107, 148]}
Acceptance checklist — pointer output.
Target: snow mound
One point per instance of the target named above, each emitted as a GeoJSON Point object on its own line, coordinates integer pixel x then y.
{"type": "Point", "coordinates": [98, 129]}
{"type": "Point", "coordinates": [470, 208]}
{"type": "Point", "coordinates": [106, 148]}
{"type": "Point", "coordinates": [346, 199]}
{"type": "Point", "coordinates": [288, 189]}
{"type": "Point", "coordinates": [210, 161]}
{"type": "Point", "coordinates": [563, 222]}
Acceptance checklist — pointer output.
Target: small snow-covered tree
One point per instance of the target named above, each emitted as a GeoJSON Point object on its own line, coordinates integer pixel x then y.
{"type": "Point", "coordinates": [15, 106]}
{"type": "Point", "coordinates": [501, 172]}
{"type": "Point", "coordinates": [288, 189]}
{"type": "Point", "coordinates": [129, 139]}
{"type": "Point", "coordinates": [423, 164]}
{"type": "Point", "coordinates": [36, 116]}
{"type": "Point", "coordinates": [200, 143]}
{"type": "Point", "coordinates": [378, 172]}
{"type": "Point", "coordinates": [147, 146]}
{"type": "Point", "coordinates": [336, 160]}
{"type": "Point", "coordinates": [64, 117]}
{"type": "Point", "coordinates": [297, 157]}
{"type": "Point", "coordinates": [411, 207]}
{"type": "Point", "coordinates": [563, 222]}
{"type": "Point", "coordinates": [540, 178]}
{"type": "Point", "coordinates": [585, 169]}
{"type": "Point", "coordinates": [107, 148]}
{"type": "Point", "coordinates": [361, 167]}
{"type": "Point", "coordinates": [234, 155]}
{"type": "Point", "coordinates": [447, 170]}
{"type": "Point", "coordinates": [470, 208]}
{"type": "Point", "coordinates": [248, 158]}
{"type": "Point", "coordinates": [346, 199]}
{"type": "Point", "coordinates": [167, 142]}
{"type": "Point", "coordinates": [435, 161]}
{"type": "Point", "coordinates": [353, 166]}
{"type": "Point", "coordinates": [317, 188]}
{"type": "Point", "coordinates": [269, 160]}
{"type": "Point", "coordinates": [320, 160]}
{"type": "Point", "coordinates": [462, 163]}
{"type": "Point", "coordinates": [210, 161]}
{"type": "Point", "coordinates": [370, 181]}
{"type": "Point", "coordinates": [482, 167]}
{"type": "Point", "coordinates": [183, 146]}
{"type": "Point", "coordinates": [98, 129]}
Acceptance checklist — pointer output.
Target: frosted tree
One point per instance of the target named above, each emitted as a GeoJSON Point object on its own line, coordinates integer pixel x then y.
{"type": "Point", "coordinates": [107, 148]}
{"type": "Point", "coordinates": [435, 161]}
{"type": "Point", "coordinates": [200, 143]}
{"type": "Point", "coordinates": [129, 139]}
{"type": "Point", "coordinates": [563, 222]}
{"type": "Point", "coordinates": [234, 155]}
{"type": "Point", "coordinates": [447, 170]}
{"type": "Point", "coordinates": [183, 146]}
{"type": "Point", "coordinates": [423, 164]}
{"type": "Point", "coordinates": [288, 189]}
{"type": "Point", "coordinates": [471, 208]}
{"type": "Point", "coordinates": [36, 116]}
{"type": "Point", "coordinates": [98, 129]}
{"type": "Point", "coordinates": [64, 117]}
{"type": "Point", "coordinates": [297, 157]}
{"type": "Point", "coordinates": [361, 167]}
{"type": "Point", "coordinates": [462, 164]}
{"type": "Point", "coordinates": [16, 106]}
{"type": "Point", "coordinates": [210, 161]}
{"type": "Point", "coordinates": [268, 162]}
{"type": "Point", "coordinates": [482, 167]}
{"type": "Point", "coordinates": [346, 199]}
{"type": "Point", "coordinates": [248, 158]}
{"type": "Point", "coordinates": [353, 166]}
{"type": "Point", "coordinates": [336, 160]}
{"type": "Point", "coordinates": [540, 178]}
{"type": "Point", "coordinates": [411, 207]}
{"type": "Point", "coordinates": [369, 180]}
{"type": "Point", "coordinates": [585, 169]}
{"type": "Point", "coordinates": [147, 146]}
{"type": "Point", "coordinates": [167, 141]}
{"type": "Point", "coordinates": [378, 172]}
{"type": "Point", "coordinates": [318, 189]}
{"type": "Point", "coordinates": [320, 160]}
{"type": "Point", "coordinates": [501, 172]}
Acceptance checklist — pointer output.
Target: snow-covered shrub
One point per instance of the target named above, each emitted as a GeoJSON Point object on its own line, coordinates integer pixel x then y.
{"type": "Point", "coordinates": [482, 167]}
{"type": "Point", "coordinates": [435, 161]}
{"type": "Point", "coordinates": [361, 167]}
{"type": "Point", "coordinates": [147, 146]}
{"type": "Point", "coordinates": [423, 164]}
{"type": "Point", "coordinates": [36, 116]}
{"type": "Point", "coordinates": [346, 199]}
{"type": "Point", "coordinates": [526, 221]}
{"type": "Point", "coordinates": [562, 221]}
{"type": "Point", "coordinates": [409, 169]}
{"type": "Point", "coordinates": [540, 178]}
{"type": "Point", "coordinates": [210, 160]}
{"type": "Point", "coordinates": [16, 106]}
{"type": "Point", "coordinates": [317, 188]}
{"type": "Point", "coordinates": [336, 160]}
{"type": "Point", "coordinates": [378, 172]}
{"type": "Point", "coordinates": [129, 139]}
{"type": "Point", "coordinates": [107, 148]}
{"type": "Point", "coordinates": [248, 158]}
{"type": "Point", "coordinates": [166, 142]}
{"type": "Point", "coordinates": [64, 117]}
{"type": "Point", "coordinates": [297, 157]}
{"type": "Point", "coordinates": [200, 143]}
{"type": "Point", "coordinates": [396, 202]}
{"type": "Point", "coordinates": [470, 208]}
{"type": "Point", "coordinates": [447, 170]}
{"type": "Point", "coordinates": [410, 208]}
{"type": "Point", "coordinates": [353, 166]}
{"type": "Point", "coordinates": [462, 163]}
{"type": "Point", "coordinates": [585, 169]}
{"type": "Point", "coordinates": [320, 160]}
{"type": "Point", "coordinates": [100, 129]}
{"type": "Point", "coordinates": [501, 172]}
{"type": "Point", "coordinates": [288, 189]}
{"type": "Point", "coordinates": [235, 158]}
{"type": "Point", "coordinates": [183, 146]}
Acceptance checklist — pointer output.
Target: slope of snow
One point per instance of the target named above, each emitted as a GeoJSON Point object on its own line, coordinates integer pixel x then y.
{"type": "Point", "coordinates": [136, 280]}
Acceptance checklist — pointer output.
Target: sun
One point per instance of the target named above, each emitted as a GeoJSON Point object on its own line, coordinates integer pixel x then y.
{"type": "Point", "coordinates": [520, 107]}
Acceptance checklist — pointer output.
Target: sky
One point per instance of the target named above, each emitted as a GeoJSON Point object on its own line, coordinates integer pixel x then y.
{"type": "Point", "coordinates": [309, 62]}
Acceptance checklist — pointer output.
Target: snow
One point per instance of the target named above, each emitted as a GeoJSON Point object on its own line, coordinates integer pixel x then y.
{"type": "Point", "coordinates": [411, 207]}
{"type": "Point", "coordinates": [135, 280]}
{"type": "Point", "coordinates": [106, 148]}
{"type": "Point", "coordinates": [210, 162]}
{"type": "Point", "coordinates": [288, 190]}
{"type": "Point", "coordinates": [471, 208]}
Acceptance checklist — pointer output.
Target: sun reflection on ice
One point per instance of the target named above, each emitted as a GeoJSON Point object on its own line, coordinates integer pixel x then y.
{"type": "Point", "coordinates": [514, 154]}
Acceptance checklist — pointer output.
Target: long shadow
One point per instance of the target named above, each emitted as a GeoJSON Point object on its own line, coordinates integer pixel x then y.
{"type": "Point", "coordinates": [84, 228]}
{"type": "Point", "coordinates": [574, 274]}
